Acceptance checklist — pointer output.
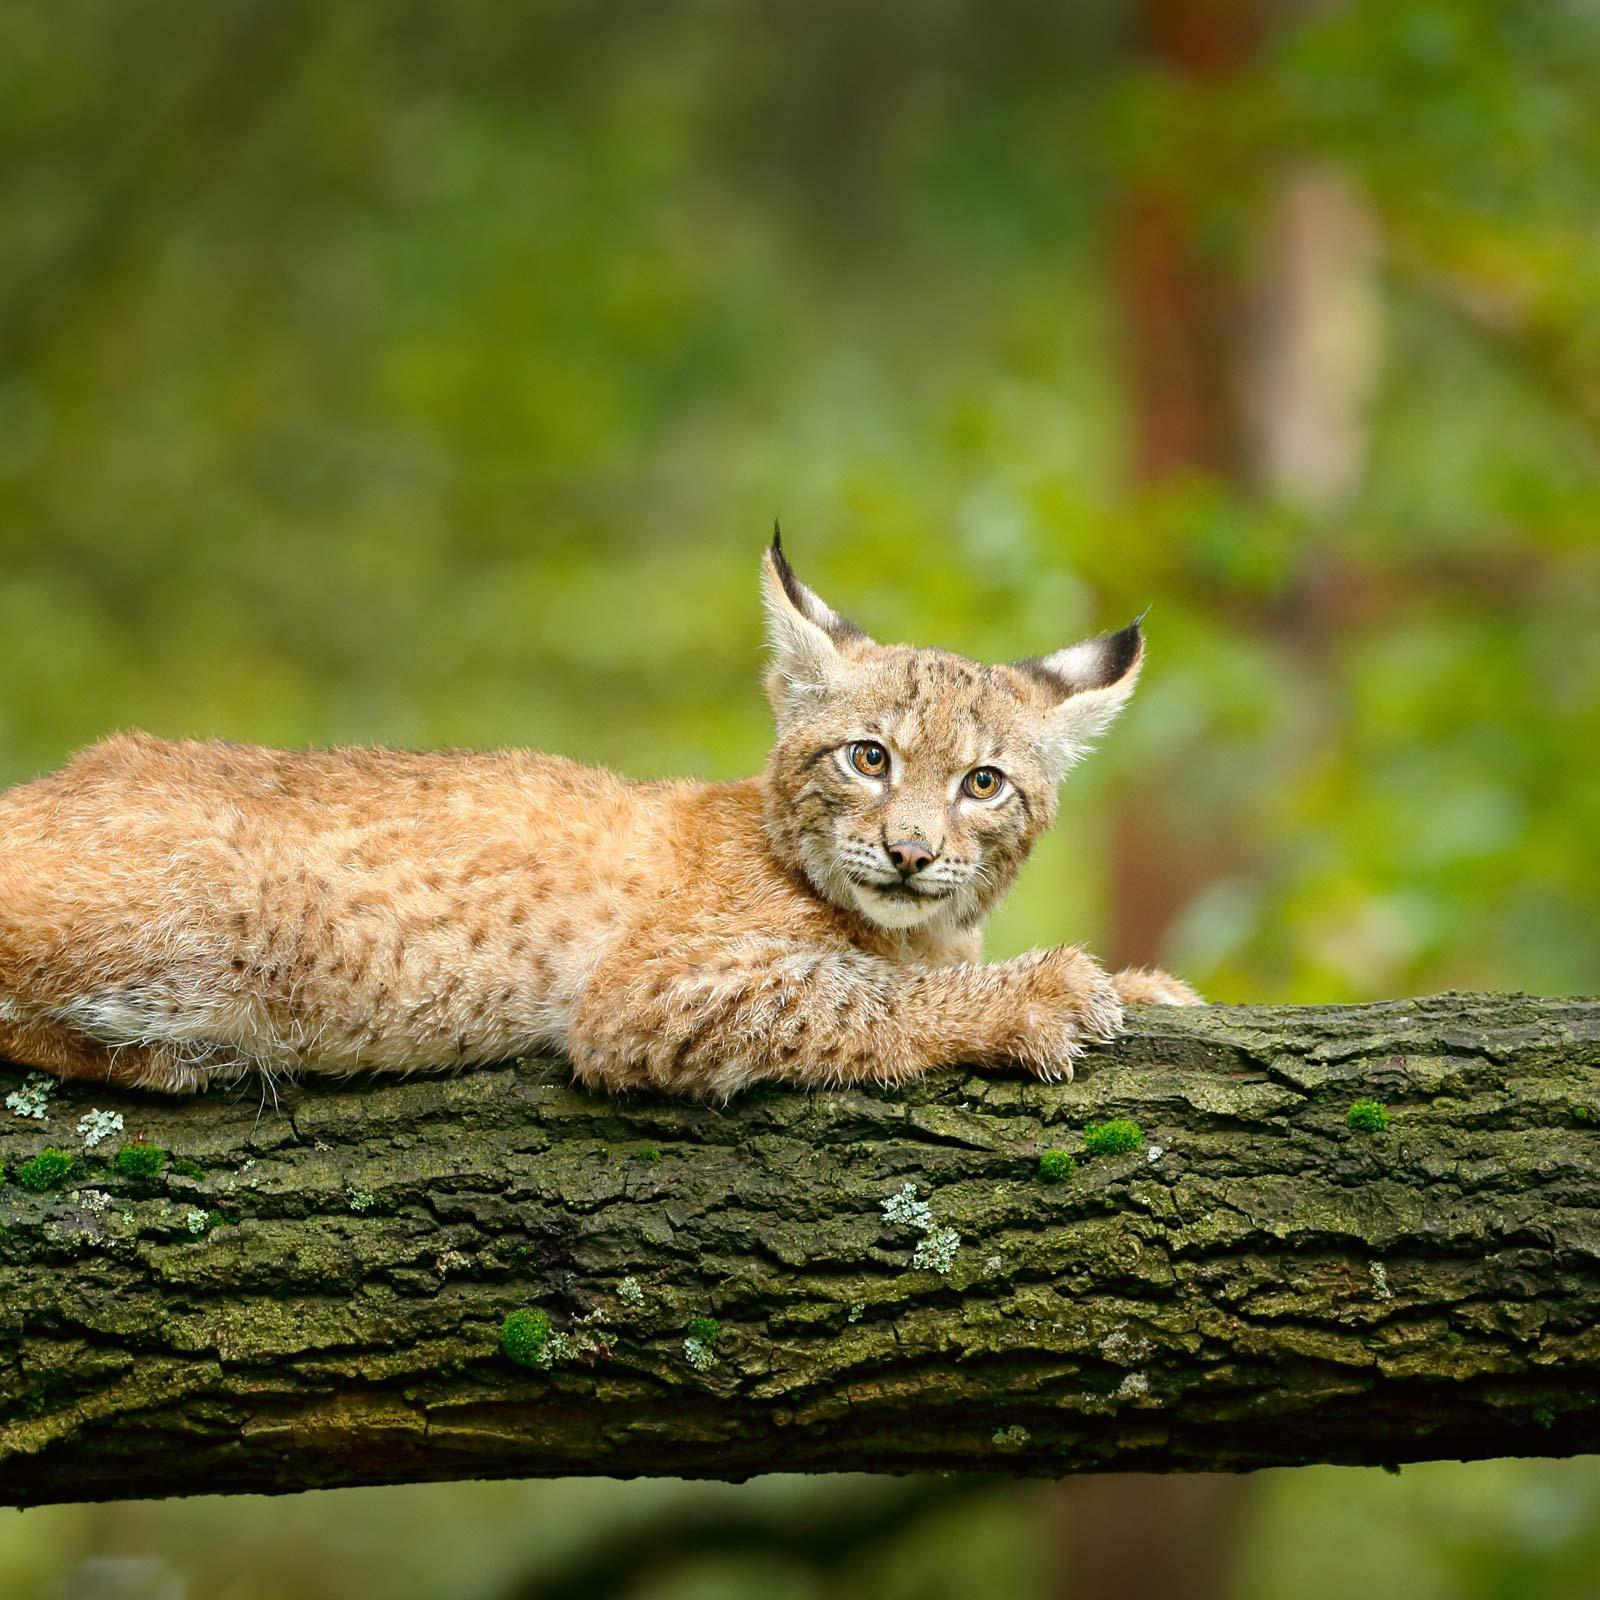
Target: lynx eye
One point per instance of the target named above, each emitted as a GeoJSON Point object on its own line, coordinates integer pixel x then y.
{"type": "Point", "coordinates": [982, 783]}
{"type": "Point", "coordinates": [869, 758]}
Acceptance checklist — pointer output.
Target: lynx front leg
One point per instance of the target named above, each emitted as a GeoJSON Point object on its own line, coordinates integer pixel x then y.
{"type": "Point", "coordinates": [709, 1019]}
{"type": "Point", "coordinates": [1150, 986]}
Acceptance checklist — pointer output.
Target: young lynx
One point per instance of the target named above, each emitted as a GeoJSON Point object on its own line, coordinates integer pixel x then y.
{"type": "Point", "coordinates": [171, 914]}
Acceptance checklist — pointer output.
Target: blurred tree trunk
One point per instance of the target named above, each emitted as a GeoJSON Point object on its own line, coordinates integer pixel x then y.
{"type": "Point", "coordinates": [1254, 373]}
{"type": "Point", "coordinates": [1252, 368]}
{"type": "Point", "coordinates": [317, 1296]}
{"type": "Point", "coordinates": [1181, 307]}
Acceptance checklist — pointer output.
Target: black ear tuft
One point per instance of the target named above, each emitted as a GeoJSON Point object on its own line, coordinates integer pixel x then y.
{"type": "Point", "coordinates": [1095, 664]}
{"type": "Point", "coordinates": [1120, 650]}
{"type": "Point", "coordinates": [786, 576]}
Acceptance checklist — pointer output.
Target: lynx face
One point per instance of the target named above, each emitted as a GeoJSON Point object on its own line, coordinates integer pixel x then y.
{"type": "Point", "coordinates": [910, 785]}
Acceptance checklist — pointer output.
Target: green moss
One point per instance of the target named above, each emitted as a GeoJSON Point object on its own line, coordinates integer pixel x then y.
{"type": "Point", "coordinates": [1582, 1114]}
{"type": "Point", "coordinates": [47, 1170]}
{"type": "Point", "coordinates": [1113, 1138]}
{"type": "Point", "coordinates": [141, 1161]}
{"type": "Point", "coordinates": [1367, 1116]}
{"type": "Point", "coordinates": [706, 1329]}
{"type": "Point", "coordinates": [1056, 1166]}
{"type": "Point", "coordinates": [647, 1155]}
{"type": "Point", "coordinates": [189, 1169]}
{"type": "Point", "coordinates": [525, 1337]}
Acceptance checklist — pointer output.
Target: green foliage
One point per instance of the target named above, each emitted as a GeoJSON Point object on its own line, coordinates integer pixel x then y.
{"type": "Point", "coordinates": [47, 1170]}
{"type": "Point", "coordinates": [525, 1337]}
{"type": "Point", "coordinates": [1056, 1166]}
{"type": "Point", "coordinates": [703, 304]}
{"type": "Point", "coordinates": [1112, 1138]}
{"type": "Point", "coordinates": [141, 1161]}
{"type": "Point", "coordinates": [1367, 1116]}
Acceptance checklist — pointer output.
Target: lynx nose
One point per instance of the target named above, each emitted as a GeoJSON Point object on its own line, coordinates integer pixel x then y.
{"type": "Point", "coordinates": [909, 857]}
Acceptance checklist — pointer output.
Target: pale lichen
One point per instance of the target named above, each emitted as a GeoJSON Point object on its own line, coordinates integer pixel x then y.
{"type": "Point", "coordinates": [196, 1220]}
{"type": "Point", "coordinates": [905, 1210]}
{"type": "Point", "coordinates": [1134, 1386]}
{"type": "Point", "coordinates": [936, 1250]}
{"type": "Point", "coordinates": [93, 1126]}
{"type": "Point", "coordinates": [700, 1343]}
{"type": "Point", "coordinates": [630, 1293]}
{"type": "Point", "coordinates": [359, 1199]}
{"type": "Point", "coordinates": [1124, 1349]}
{"type": "Point", "coordinates": [1013, 1437]}
{"type": "Point", "coordinates": [33, 1098]}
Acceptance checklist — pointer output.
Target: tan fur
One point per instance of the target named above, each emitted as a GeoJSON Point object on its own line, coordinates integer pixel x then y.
{"type": "Point", "coordinates": [171, 913]}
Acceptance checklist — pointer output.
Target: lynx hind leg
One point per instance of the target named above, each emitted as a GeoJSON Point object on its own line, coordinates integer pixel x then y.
{"type": "Point", "coordinates": [1150, 986]}
{"type": "Point", "coordinates": [68, 1055]}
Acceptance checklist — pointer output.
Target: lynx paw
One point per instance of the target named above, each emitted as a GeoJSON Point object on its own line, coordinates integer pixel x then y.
{"type": "Point", "coordinates": [1069, 1003]}
{"type": "Point", "coordinates": [1150, 986]}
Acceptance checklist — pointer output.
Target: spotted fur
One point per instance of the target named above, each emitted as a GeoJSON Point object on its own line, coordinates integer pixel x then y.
{"type": "Point", "coordinates": [176, 913]}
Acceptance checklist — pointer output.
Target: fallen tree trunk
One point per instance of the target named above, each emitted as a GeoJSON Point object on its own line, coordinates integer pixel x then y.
{"type": "Point", "coordinates": [316, 1294]}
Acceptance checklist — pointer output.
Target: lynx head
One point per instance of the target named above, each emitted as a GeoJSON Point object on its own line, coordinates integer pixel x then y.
{"type": "Point", "coordinates": [910, 785]}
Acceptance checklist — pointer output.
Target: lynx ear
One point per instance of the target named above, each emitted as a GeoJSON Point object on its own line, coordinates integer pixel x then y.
{"type": "Point", "coordinates": [1092, 682]}
{"type": "Point", "coordinates": [805, 635]}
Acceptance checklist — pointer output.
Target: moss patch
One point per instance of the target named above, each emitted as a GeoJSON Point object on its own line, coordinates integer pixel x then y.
{"type": "Point", "coordinates": [141, 1161]}
{"type": "Point", "coordinates": [1056, 1166]}
{"type": "Point", "coordinates": [525, 1338]}
{"type": "Point", "coordinates": [1113, 1138]}
{"type": "Point", "coordinates": [47, 1170]}
{"type": "Point", "coordinates": [1367, 1116]}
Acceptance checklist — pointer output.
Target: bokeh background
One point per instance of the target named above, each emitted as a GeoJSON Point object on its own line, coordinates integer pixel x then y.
{"type": "Point", "coordinates": [378, 372]}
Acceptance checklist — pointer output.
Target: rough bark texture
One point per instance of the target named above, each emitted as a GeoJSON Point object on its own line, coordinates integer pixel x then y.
{"type": "Point", "coordinates": [315, 1295]}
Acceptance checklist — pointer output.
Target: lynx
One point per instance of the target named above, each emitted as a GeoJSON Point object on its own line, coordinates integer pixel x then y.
{"type": "Point", "coordinates": [172, 914]}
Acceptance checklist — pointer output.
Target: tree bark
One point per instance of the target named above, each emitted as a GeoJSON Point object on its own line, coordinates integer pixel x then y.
{"type": "Point", "coordinates": [313, 1294]}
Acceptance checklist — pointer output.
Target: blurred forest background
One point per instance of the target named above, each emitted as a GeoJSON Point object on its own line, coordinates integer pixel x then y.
{"type": "Point", "coordinates": [432, 375]}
